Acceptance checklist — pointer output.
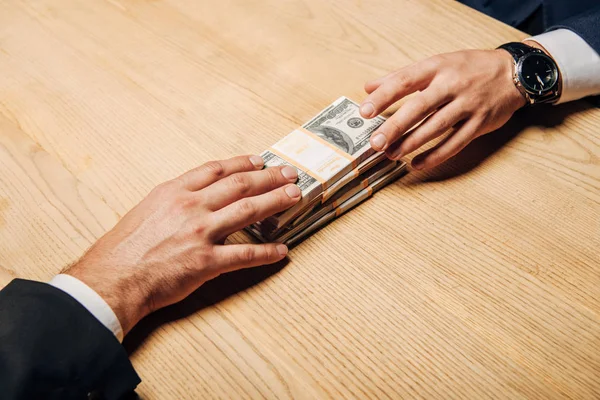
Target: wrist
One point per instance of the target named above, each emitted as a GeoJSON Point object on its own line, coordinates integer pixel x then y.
{"type": "Point", "coordinates": [119, 291]}
{"type": "Point", "coordinates": [516, 98]}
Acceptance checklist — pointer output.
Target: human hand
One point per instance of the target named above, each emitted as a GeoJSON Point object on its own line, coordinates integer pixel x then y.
{"type": "Point", "coordinates": [173, 240]}
{"type": "Point", "coordinates": [468, 92]}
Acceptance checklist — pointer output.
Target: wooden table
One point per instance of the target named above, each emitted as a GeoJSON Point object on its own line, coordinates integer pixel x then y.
{"type": "Point", "coordinates": [479, 279]}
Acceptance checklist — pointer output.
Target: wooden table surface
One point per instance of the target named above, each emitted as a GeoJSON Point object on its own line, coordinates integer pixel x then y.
{"type": "Point", "coordinates": [478, 279]}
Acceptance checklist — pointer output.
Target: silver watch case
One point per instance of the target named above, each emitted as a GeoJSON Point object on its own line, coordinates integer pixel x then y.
{"type": "Point", "coordinates": [519, 74]}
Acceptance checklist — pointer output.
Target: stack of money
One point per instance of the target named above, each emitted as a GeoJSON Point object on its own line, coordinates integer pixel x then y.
{"type": "Point", "coordinates": [337, 169]}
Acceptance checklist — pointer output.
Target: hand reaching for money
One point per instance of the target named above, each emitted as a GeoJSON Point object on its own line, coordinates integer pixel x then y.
{"type": "Point", "coordinates": [173, 241]}
{"type": "Point", "coordinates": [468, 93]}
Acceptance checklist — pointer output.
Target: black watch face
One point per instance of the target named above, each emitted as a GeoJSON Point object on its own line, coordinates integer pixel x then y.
{"type": "Point", "coordinates": [537, 73]}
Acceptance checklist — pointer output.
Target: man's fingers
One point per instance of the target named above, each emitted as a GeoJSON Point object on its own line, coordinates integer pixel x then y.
{"type": "Point", "coordinates": [411, 113]}
{"type": "Point", "coordinates": [394, 87]}
{"type": "Point", "coordinates": [206, 174]}
{"type": "Point", "coordinates": [371, 86]}
{"type": "Point", "coordinates": [249, 210]}
{"type": "Point", "coordinates": [375, 83]}
{"type": "Point", "coordinates": [232, 257]}
{"type": "Point", "coordinates": [450, 146]}
{"type": "Point", "coordinates": [246, 184]}
{"type": "Point", "coordinates": [434, 126]}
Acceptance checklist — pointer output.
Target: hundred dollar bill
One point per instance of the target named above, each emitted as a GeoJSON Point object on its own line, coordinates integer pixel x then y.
{"type": "Point", "coordinates": [362, 181]}
{"type": "Point", "coordinates": [347, 191]}
{"type": "Point", "coordinates": [352, 189]}
{"type": "Point", "coordinates": [292, 238]}
{"type": "Point", "coordinates": [269, 226]}
{"type": "Point", "coordinates": [346, 206]}
{"type": "Point", "coordinates": [323, 150]}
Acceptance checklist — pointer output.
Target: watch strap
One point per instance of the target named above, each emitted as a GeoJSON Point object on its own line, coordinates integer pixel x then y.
{"type": "Point", "coordinates": [518, 50]}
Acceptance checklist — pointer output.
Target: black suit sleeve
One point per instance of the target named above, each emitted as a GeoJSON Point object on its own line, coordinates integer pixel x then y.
{"type": "Point", "coordinates": [51, 347]}
{"type": "Point", "coordinates": [586, 25]}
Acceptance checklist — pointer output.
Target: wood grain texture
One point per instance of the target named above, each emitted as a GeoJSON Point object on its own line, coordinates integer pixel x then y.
{"type": "Point", "coordinates": [479, 279]}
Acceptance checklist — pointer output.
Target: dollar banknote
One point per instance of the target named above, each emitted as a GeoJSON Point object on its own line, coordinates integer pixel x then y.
{"type": "Point", "coordinates": [270, 228]}
{"type": "Point", "coordinates": [361, 182]}
{"type": "Point", "coordinates": [346, 206]}
{"type": "Point", "coordinates": [323, 150]}
{"type": "Point", "coordinates": [333, 210]}
{"type": "Point", "coordinates": [341, 125]}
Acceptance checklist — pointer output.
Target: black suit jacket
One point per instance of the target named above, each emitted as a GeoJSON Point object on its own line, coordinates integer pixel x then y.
{"type": "Point", "coordinates": [580, 16]}
{"type": "Point", "coordinates": [51, 347]}
{"type": "Point", "coordinates": [536, 16]}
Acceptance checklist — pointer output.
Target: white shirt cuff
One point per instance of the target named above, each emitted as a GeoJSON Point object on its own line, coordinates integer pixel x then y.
{"type": "Point", "coordinates": [90, 300]}
{"type": "Point", "coordinates": [578, 62]}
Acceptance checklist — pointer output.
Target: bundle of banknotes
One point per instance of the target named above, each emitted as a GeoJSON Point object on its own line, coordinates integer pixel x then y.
{"type": "Point", "coordinates": [337, 170]}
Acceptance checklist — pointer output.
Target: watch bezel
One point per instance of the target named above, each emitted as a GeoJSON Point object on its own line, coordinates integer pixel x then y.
{"type": "Point", "coordinates": [524, 84]}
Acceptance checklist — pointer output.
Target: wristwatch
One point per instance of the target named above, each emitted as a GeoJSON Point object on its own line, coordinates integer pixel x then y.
{"type": "Point", "coordinates": [535, 75]}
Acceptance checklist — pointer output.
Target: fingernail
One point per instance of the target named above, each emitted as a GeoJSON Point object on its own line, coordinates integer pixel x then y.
{"type": "Point", "coordinates": [290, 173]}
{"type": "Point", "coordinates": [257, 161]}
{"type": "Point", "coordinates": [367, 110]}
{"type": "Point", "coordinates": [282, 249]}
{"type": "Point", "coordinates": [293, 191]}
{"type": "Point", "coordinates": [378, 141]}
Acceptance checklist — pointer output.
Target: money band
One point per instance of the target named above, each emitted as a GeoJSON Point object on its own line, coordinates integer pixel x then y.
{"type": "Point", "coordinates": [312, 155]}
{"type": "Point", "coordinates": [364, 184]}
{"type": "Point", "coordinates": [354, 201]}
{"type": "Point", "coordinates": [342, 153]}
{"type": "Point", "coordinates": [298, 165]}
{"type": "Point", "coordinates": [330, 191]}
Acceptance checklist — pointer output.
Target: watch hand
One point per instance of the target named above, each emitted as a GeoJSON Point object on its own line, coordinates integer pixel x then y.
{"type": "Point", "coordinates": [539, 80]}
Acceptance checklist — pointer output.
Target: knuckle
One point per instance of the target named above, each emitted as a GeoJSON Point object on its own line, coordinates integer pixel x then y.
{"type": "Point", "coordinates": [468, 106]}
{"type": "Point", "coordinates": [385, 93]}
{"type": "Point", "coordinates": [240, 183]}
{"type": "Point", "coordinates": [396, 127]}
{"type": "Point", "coordinates": [274, 176]}
{"type": "Point", "coordinates": [187, 202]}
{"type": "Point", "coordinates": [400, 81]}
{"type": "Point", "coordinates": [444, 89]}
{"type": "Point", "coordinates": [435, 62]}
{"type": "Point", "coordinates": [454, 81]}
{"type": "Point", "coordinates": [215, 168]}
{"type": "Point", "coordinates": [247, 255]}
{"type": "Point", "coordinates": [200, 228]}
{"type": "Point", "coordinates": [270, 253]}
{"type": "Point", "coordinates": [419, 106]}
{"type": "Point", "coordinates": [163, 188]}
{"type": "Point", "coordinates": [441, 124]}
{"type": "Point", "coordinates": [166, 190]}
{"type": "Point", "coordinates": [205, 257]}
{"type": "Point", "coordinates": [188, 232]}
{"type": "Point", "coordinates": [246, 208]}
